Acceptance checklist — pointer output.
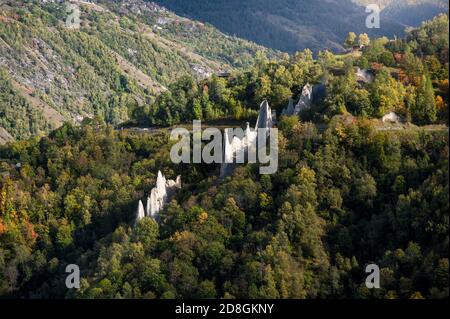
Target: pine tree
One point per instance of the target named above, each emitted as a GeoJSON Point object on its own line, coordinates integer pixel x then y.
{"type": "Point", "coordinates": [425, 108]}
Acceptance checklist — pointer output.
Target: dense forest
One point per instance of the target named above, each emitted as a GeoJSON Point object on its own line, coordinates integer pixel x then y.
{"type": "Point", "coordinates": [341, 199]}
{"type": "Point", "coordinates": [410, 78]}
{"type": "Point", "coordinates": [121, 57]}
{"type": "Point", "coordinates": [350, 190]}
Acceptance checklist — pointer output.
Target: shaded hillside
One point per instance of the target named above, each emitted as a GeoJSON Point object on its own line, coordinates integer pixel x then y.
{"type": "Point", "coordinates": [293, 25]}
{"type": "Point", "coordinates": [123, 55]}
{"type": "Point", "coordinates": [408, 12]}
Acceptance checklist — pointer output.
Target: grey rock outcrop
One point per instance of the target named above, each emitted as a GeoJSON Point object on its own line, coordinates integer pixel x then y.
{"type": "Point", "coordinates": [161, 193]}
{"type": "Point", "coordinates": [240, 145]}
{"type": "Point", "coordinates": [364, 76]}
{"type": "Point", "coordinates": [304, 102]}
{"type": "Point", "coordinates": [265, 119]}
{"type": "Point", "coordinates": [289, 110]}
{"type": "Point", "coordinates": [392, 117]}
{"type": "Point", "coordinates": [140, 211]}
{"type": "Point", "coordinates": [159, 196]}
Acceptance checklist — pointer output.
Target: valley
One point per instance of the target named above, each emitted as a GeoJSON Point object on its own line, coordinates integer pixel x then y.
{"type": "Point", "coordinates": [69, 82]}
{"type": "Point", "coordinates": [294, 25]}
{"type": "Point", "coordinates": [361, 151]}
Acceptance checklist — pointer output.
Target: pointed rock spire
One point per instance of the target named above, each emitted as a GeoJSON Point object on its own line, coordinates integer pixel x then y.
{"type": "Point", "coordinates": [228, 148]}
{"type": "Point", "coordinates": [148, 207]}
{"type": "Point", "coordinates": [265, 116]}
{"type": "Point", "coordinates": [289, 111]}
{"type": "Point", "coordinates": [160, 194]}
{"type": "Point", "coordinates": [305, 99]}
{"type": "Point", "coordinates": [160, 181]}
{"type": "Point", "coordinates": [238, 147]}
{"type": "Point", "coordinates": [140, 211]}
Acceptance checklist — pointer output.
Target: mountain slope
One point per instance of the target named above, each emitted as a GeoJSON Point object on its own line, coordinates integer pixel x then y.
{"type": "Point", "coordinates": [124, 54]}
{"type": "Point", "coordinates": [408, 12]}
{"type": "Point", "coordinates": [413, 13]}
{"type": "Point", "coordinates": [289, 25]}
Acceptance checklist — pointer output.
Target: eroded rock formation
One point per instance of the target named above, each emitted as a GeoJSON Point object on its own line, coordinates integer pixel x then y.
{"type": "Point", "coordinates": [289, 110]}
{"type": "Point", "coordinates": [236, 147]}
{"type": "Point", "coordinates": [304, 102]}
{"type": "Point", "coordinates": [364, 75]}
{"type": "Point", "coordinates": [265, 119]}
{"type": "Point", "coordinates": [159, 196]}
{"type": "Point", "coordinates": [140, 211]}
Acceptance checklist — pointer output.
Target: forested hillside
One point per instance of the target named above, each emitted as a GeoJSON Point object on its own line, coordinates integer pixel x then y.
{"type": "Point", "coordinates": [124, 54]}
{"type": "Point", "coordinates": [410, 78]}
{"type": "Point", "coordinates": [351, 188]}
{"type": "Point", "coordinates": [341, 199]}
{"type": "Point", "coordinates": [408, 12]}
{"type": "Point", "coordinates": [347, 192]}
{"type": "Point", "coordinates": [294, 25]}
